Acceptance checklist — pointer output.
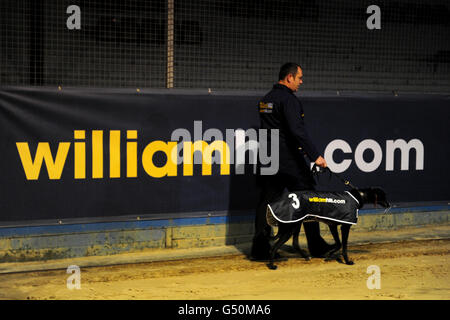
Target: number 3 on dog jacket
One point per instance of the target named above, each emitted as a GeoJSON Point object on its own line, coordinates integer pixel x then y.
{"type": "Point", "coordinates": [296, 206]}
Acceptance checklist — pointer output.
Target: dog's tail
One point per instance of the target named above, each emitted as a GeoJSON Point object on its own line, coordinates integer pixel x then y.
{"type": "Point", "coordinates": [270, 219]}
{"type": "Point", "coordinates": [273, 237]}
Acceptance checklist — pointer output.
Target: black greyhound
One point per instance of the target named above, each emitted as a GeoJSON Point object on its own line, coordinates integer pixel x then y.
{"type": "Point", "coordinates": [286, 230]}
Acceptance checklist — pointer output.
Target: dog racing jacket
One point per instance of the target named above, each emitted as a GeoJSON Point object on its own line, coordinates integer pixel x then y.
{"type": "Point", "coordinates": [341, 207]}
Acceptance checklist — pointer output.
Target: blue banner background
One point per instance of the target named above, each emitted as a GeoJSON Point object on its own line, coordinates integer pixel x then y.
{"type": "Point", "coordinates": [46, 115]}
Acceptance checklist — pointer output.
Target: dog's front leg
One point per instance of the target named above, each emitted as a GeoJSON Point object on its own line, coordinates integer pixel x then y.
{"type": "Point", "coordinates": [345, 231]}
{"type": "Point", "coordinates": [337, 243]}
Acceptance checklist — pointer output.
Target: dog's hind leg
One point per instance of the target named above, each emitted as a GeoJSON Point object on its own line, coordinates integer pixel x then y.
{"type": "Point", "coordinates": [296, 244]}
{"type": "Point", "coordinates": [337, 241]}
{"type": "Point", "coordinates": [345, 231]}
{"type": "Point", "coordinates": [285, 232]}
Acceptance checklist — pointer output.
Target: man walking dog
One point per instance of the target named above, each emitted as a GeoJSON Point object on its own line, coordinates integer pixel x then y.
{"type": "Point", "coordinates": [281, 109]}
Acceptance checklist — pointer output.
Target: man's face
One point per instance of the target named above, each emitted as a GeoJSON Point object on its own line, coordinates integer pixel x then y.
{"type": "Point", "coordinates": [295, 82]}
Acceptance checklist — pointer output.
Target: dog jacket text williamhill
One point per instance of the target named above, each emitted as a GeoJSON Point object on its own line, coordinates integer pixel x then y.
{"type": "Point", "coordinates": [296, 206]}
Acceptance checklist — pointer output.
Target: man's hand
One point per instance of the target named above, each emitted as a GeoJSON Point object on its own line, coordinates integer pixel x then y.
{"type": "Point", "coordinates": [321, 162]}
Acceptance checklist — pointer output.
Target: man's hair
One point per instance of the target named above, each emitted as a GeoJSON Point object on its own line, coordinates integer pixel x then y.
{"type": "Point", "coordinates": [287, 69]}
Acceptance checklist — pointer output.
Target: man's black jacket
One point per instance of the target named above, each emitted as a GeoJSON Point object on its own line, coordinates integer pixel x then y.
{"type": "Point", "coordinates": [281, 109]}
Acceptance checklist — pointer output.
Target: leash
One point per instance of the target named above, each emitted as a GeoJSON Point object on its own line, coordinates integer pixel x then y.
{"type": "Point", "coordinates": [316, 170]}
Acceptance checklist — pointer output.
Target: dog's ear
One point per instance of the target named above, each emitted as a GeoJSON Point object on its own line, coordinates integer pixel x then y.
{"type": "Point", "coordinates": [380, 197]}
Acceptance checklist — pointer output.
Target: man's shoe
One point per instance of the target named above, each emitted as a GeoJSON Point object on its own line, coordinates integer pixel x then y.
{"type": "Point", "coordinates": [266, 258]}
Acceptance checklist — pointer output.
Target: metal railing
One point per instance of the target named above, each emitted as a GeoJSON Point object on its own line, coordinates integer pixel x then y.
{"type": "Point", "coordinates": [225, 44]}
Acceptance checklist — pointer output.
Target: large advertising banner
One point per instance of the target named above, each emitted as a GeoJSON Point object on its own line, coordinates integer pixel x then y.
{"type": "Point", "coordinates": [111, 153]}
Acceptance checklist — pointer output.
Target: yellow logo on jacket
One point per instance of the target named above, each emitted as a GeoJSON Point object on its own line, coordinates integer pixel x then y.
{"type": "Point", "coordinates": [326, 200]}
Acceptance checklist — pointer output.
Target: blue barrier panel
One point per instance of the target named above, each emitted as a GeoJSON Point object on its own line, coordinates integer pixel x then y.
{"type": "Point", "coordinates": [80, 154]}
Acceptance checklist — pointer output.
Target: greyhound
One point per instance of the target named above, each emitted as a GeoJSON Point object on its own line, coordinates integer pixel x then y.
{"type": "Point", "coordinates": [286, 230]}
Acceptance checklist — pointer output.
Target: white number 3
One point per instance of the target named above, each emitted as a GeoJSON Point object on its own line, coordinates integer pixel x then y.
{"type": "Point", "coordinates": [296, 202]}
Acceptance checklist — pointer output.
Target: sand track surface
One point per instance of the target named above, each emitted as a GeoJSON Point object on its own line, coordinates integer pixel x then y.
{"type": "Point", "coordinates": [408, 270]}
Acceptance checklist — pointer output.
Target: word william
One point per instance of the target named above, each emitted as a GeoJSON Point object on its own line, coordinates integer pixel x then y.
{"type": "Point", "coordinates": [192, 152]}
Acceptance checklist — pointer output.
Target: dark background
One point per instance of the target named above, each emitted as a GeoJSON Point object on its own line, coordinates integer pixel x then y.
{"type": "Point", "coordinates": [223, 44]}
{"type": "Point", "coordinates": [358, 84]}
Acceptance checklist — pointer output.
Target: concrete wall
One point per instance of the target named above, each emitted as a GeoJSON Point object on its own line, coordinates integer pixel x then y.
{"type": "Point", "coordinates": [99, 239]}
